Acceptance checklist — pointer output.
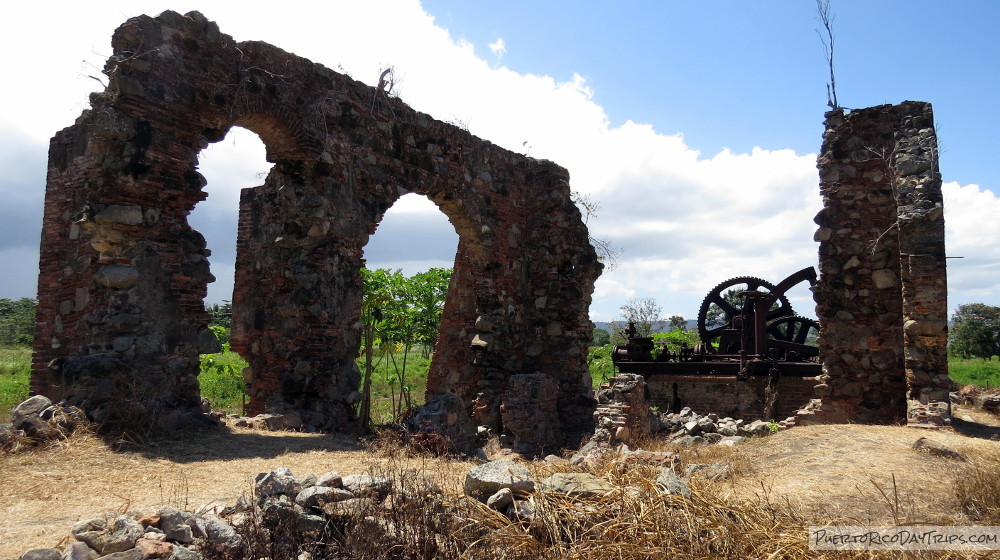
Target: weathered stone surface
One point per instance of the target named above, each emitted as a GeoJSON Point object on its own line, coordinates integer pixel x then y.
{"type": "Point", "coordinates": [32, 406]}
{"type": "Point", "coordinates": [584, 485]}
{"type": "Point", "coordinates": [446, 416]}
{"type": "Point", "coordinates": [116, 276]}
{"type": "Point", "coordinates": [352, 507]}
{"type": "Point", "coordinates": [151, 548]}
{"type": "Point", "coordinates": [175, 525]}
{"type": "Point", "coordinates": [79, 551]}
{"type": "Point", "coordinates": [182, 553]}
{"type": "Point", "coordinates": [670, 483]}
{"type": "Point", "coordinates": [223, 536]}
{"type": "Point", "coordinates": [482, 481]}
{"type": "Point", "coordinates": [529, 408]}
{"type": "Point", "coordinates": [937, 448]}
{"type": "Point", "coordinates": [42, 554]}
{"type": "Point", "coordinates": [280, 481]}
{"type": "Point", "coordinates": [883, 283]}
{"type": "Point", "coordinates": [130, 554]}
{"type": "Point", "coordinates": [119, 536]}
{"type": "Point", "coordinates": [127, 215]}
{"type": "Point", "coordinates": [123, 276]}
{"type": "Point", "coordinates": [499, 501]}
{"type": "Point", "coordinates": [331, 479]}
{"type": "Point", "coordinates": [318, 496]}
{"type": "Point", "coordinates": [367, 485]}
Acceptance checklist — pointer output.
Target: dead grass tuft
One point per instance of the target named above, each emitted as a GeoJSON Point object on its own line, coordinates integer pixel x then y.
{"type": "Point", "coordinates": [977, 488]}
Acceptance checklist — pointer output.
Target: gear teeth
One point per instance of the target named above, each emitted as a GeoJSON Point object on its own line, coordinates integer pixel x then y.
{"type": "Point", "coordinates": [785, 306]}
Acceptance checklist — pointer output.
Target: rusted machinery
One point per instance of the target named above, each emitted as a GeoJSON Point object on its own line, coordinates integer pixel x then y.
{"type": "Point", "coordinates": [747, 328]}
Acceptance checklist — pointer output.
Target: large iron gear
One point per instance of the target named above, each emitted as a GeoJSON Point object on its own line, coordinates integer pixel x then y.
{"type": "Point", "coordinates": [792, 329]}
{"type": "Point", "coordinates": [709, 333]}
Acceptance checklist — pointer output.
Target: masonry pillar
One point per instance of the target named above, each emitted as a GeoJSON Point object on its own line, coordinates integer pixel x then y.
{"type": "Point", "coordinates": [881, 295]}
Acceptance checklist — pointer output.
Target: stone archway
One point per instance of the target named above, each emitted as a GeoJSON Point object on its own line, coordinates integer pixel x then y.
{"type": "Point", "coordinates": [123, 276]}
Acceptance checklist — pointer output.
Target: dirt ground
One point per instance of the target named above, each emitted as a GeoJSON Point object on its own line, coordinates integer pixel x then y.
{"type": "Point", "coordinates": [43, 492]}
{"type": "Point", "coordinates": [867, 474]}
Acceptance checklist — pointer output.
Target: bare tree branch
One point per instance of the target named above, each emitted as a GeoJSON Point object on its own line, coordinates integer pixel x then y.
{"type": "Point", "coordinates": [825, 17]}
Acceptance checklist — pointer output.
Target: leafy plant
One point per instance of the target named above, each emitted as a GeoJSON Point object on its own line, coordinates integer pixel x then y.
{"type": "Point", "coordinates": [676, 339]}
{"type": "Point", "coordinates": [17, 321]}
{"type": "Point", "coordinates": [222, 373]}
{"type": "Point", "coordinates": [398, 314]}
{"type": "Point", "coordinates": [975, 331]}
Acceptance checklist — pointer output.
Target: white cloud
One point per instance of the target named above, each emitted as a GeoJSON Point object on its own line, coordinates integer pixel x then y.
{"type": "Point", "coordinates": [499, 48]}
{"type": "Point", "coordinates": [686, 221]}
{"type": "Point", "coordinates": [972, 228]}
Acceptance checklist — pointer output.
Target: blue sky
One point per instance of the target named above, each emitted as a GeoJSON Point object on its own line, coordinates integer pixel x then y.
{"type": "Point", "coordinates": [694, 125]}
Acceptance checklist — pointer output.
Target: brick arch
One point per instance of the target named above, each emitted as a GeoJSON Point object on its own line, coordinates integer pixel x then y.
{"type": "Point", "coordinates": [122, 276]}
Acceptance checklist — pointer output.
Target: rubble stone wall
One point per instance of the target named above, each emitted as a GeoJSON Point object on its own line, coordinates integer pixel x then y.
{"type": "Point", "coordinates": [121, 318]}
{"type": "Point", "coordinates": [727, 396]}
{"type": "Point", "coordinates": [882, 291]}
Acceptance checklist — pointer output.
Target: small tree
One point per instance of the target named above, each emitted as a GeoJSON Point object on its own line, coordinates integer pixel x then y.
{"type": "Point", "coordinates": [601, 338]}
{"type": "Point", "coordinates": [17, 321]}
{"type": "Point", "coordinates": [975, 331]}
{"type": "Point", "coordinates": [677, 323]}
{"type": "Point", "coordinates": [644, 313]}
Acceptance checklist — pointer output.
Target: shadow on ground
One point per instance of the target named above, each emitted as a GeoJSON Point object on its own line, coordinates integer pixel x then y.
{"type": "Point", "coordinates": [975, 429]}
{"type": "Point", "coordinates": [224, 443]}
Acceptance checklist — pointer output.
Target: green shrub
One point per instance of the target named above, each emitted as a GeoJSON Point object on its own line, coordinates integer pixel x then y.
{"type": "Point", "coordinates": [600, 364]}
{"type": "Point", "coordinates": [15, 371]}
{"type": "Point", "coordinates": [974, 371]}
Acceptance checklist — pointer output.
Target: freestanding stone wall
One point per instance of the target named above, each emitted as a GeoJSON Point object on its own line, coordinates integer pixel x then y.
{"type": "Point", "coordinates": [882, 291]}
{"type": "Point", "coordinates": [121, 318]}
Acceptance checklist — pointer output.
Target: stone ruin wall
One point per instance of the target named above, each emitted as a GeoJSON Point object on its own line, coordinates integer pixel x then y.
{"type": "Point", "coordinates": [882, 291]}
{"type": "Point", "coordinates": [121, 319]}
{"type": "Point", "coordinates": [727, 396]}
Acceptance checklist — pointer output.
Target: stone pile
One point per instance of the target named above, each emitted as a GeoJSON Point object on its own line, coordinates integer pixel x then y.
{"type": "Point", "coordinates": [167, 534]}
{"type": "Point", "coordinates": [508, 487]}
{"type": "Point", "coordinates": [37, 420]}
{"type": "Point", "coordinates": [292, 421]}
{"type": "Point", "coordinates": [623, 416]}
{"type": "Point", "coordinates": [687, 427]}
{"type": "Point", "coordinates": [973, 395]}
{"type": "Point", "coordinates": [290, 511]}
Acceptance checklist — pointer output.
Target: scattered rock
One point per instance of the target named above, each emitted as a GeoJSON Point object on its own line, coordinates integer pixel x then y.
{"type": "Point", "coordinates": [499, 501]}
{"type": "Point", "coordinates": [42, 554]}
{"type": "Point", "coordinates": [938, 449]}
{"type": "Point", "coordinates": [331, 479]}
{"type": "Point", "coordinates": [583, 485]}
{"type": "Point", "coordinates": [482, 481]}
{"type": "Point", "coordinates": [319, 496]}
{"type": "Point", "coordinates": [79, 551]}
{"type": "Point", "coordinates": [669, 483]}
{"type": "Point", "coordinates": [367, 485]}
{"type": "Point", "coordinates": [151, 548]}
{"type": "Point", "coordinates": [280, 481]}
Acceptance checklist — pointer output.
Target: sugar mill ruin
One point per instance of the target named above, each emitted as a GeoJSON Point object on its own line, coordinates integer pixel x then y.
{"type": "Point", "coordinates": [121, 319]}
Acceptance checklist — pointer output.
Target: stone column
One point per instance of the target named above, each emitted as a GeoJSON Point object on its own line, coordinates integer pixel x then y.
{"type": "Point", "coordinates": [882, 294]}
{"type": "Point", "coordinates": [920, 211]}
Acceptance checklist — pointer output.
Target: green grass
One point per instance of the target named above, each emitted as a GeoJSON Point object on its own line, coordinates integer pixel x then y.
{"type": "Point", "coordinates": [222, 378]}
{"type": "Point", "coordinates": [221, 381]}
{"type": "Point", "coordinates": [599, 362]}
{"type": "Point", "coordinates": [15, 368]}
{"type": "Point", "coordinates": [974, 371]}
{"type": "Point", "coordinates": [385, 383]}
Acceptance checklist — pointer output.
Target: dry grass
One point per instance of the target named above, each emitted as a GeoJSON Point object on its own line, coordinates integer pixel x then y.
{"type": "Point", "coordinates": [44, 491]}
{"type": "Point", "coordinates": [772, 490]}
